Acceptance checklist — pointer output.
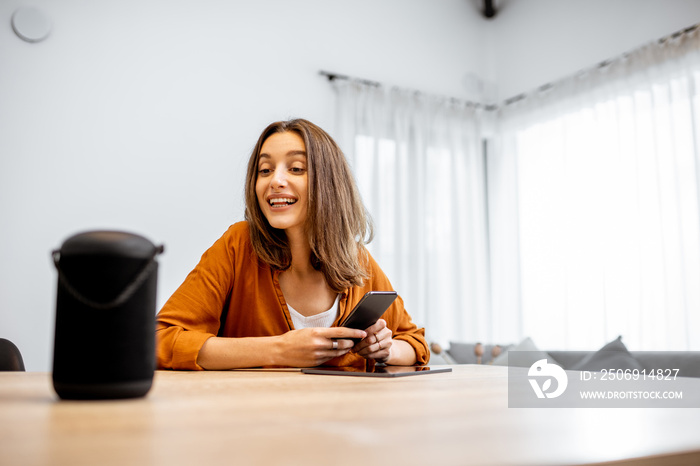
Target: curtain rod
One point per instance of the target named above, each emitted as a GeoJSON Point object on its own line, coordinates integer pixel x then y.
{"type": "Point", "coordinates": [333, 76]}
{"type": "Point", "coordinates": [342, 77]}
{"type": "Point", "coordinates": [601, 65]}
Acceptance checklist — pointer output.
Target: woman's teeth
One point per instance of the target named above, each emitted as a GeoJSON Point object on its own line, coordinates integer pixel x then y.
{"type": "Point", "coordinates": [282, 201]}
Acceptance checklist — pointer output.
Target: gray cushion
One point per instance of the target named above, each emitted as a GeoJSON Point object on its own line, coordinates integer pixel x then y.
{"type": "Point", "coordinates": [463, 353]}
{"type": "Point", "coordinates": [533, 355]}
{"type": "Point", "coordinates": [614, 355]}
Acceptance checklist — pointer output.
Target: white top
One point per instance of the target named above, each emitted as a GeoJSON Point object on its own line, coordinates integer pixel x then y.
{"type": "Point", "coordinates": [324, 319]}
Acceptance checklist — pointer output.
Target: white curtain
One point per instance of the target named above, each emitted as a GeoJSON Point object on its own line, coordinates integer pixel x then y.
{"type": "Point", "coordinates": [419, 165]}
{"type": "Point", "coordinates": [601, 172]}
{"type": "Point", "coordinates": [590, 228]}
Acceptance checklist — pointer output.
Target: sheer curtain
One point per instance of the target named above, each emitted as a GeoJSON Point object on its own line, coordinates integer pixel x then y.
{"type": "Point", "coordinates": [419, 165]}
{"type": "Point", "coordinates": [601, 172]}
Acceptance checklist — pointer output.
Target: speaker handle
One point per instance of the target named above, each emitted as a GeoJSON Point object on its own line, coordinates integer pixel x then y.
{"type": "Point", "coordinates": [122, 297]}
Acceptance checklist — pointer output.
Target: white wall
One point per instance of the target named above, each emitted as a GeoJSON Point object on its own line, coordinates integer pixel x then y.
{"type": "Point", "coordinates": [140, 115]}
{"type": "Point", "coordinates": [535, 42]}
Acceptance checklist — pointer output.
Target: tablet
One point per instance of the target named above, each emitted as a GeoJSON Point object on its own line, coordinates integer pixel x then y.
{"type": "Point", "coordinates": [379, 371]}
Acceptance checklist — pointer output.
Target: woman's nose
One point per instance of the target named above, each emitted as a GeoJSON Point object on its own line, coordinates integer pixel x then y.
{"type": "Point", "coordinates": [279, 178]}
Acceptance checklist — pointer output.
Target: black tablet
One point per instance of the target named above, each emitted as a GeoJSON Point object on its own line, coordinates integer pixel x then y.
{"type": "Point", "coordinates": [379, 371]}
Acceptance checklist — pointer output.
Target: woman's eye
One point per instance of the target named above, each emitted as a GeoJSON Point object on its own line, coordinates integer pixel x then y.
{"type": "Point", "coordinates": [297, 170]}
{"type": "Point", "coordinates": [264, 171]}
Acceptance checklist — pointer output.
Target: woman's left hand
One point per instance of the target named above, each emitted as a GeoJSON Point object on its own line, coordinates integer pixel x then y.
{"type": "Point", "coordinates": [377, 344]}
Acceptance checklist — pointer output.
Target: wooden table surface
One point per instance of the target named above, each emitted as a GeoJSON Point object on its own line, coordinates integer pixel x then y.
{"type": "Point", "coordinates": [286, 417]}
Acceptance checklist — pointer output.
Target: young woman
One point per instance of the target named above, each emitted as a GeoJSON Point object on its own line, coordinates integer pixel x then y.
{"type": "Point", "coordinates": [272, 290]}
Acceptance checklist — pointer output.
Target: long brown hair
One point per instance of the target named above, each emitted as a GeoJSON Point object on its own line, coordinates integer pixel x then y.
{"type": "Point", "coordinates": [337, 223]}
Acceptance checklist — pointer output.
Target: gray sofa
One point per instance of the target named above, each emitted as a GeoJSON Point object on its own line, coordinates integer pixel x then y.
{"type": "Point", "coordinates": [613, 355]}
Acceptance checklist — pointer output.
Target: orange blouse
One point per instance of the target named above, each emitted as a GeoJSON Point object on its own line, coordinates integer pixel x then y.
{"type": "Point", "coordinates": [230, 279]}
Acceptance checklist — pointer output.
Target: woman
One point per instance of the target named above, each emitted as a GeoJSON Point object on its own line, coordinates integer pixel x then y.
{"type": "Point", "coordinates": [272, 290]}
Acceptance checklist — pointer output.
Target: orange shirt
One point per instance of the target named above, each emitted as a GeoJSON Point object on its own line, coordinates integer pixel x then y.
{"type": "Point", "coordinates": [229, 278]}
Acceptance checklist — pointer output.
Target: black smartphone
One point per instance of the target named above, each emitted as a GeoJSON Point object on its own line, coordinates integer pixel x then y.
{"type": "Point", "coordinates": [369, 310]}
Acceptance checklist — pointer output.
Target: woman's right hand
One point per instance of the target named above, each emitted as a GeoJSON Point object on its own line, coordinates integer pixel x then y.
{"type": "Point", "coordinates": [310, 347]}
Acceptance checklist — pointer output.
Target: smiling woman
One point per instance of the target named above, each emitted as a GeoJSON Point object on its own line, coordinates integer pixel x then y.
{"type": "Point", "coordinates": [282, 182]}
{"type": "Point", "coordinates": [273, 289]}
{"type": "Point", "coordinates": [333, 213]}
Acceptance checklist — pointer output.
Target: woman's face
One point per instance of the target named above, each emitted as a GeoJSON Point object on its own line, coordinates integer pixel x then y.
{"type": "Point", "coordinates": [282, 181]}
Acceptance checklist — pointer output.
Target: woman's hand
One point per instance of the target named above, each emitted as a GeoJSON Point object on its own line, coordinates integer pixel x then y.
{"type": "Point", "coordinates": [377, 345]}
{"type": "Point", "coordinates": [311, 347]}
{"type": "Point", "coordinates": [307, 347]}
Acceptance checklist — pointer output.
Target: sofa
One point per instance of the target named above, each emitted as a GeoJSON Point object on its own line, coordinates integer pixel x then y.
{"type": "Point", "coordinates": [613, 355]}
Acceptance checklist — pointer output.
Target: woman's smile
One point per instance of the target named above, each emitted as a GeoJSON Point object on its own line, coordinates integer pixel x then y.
{"type": "Point", "coordinates": [278, 203]}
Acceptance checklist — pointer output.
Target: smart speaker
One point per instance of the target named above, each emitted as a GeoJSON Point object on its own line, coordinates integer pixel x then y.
{"type": "Point", "coordinates": [104, 344]}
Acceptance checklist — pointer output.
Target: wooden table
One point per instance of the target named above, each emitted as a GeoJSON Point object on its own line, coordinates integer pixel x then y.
{"type": "Point", "coordinates": [286, 417]}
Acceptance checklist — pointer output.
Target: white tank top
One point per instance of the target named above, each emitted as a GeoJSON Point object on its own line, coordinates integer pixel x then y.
{"type": "Point", "coordinates": [324, 319]}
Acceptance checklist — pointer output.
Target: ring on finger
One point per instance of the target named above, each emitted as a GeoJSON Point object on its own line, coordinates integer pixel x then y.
{"type": "Point", "coordinates": [335, 345]}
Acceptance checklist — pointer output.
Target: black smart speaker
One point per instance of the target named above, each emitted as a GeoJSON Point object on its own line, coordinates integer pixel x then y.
{"type": "Point", "coordinates": [104, 345]}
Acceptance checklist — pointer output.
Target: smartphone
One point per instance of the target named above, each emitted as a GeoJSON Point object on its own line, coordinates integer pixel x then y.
{"type": "Point", "coordinates": [369, 310]}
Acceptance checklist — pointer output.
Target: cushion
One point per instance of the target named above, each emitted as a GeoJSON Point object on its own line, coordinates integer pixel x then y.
{"type": "Point", "coordinates": [613, 355]}
{"type": "Point", "coordinates": [534, 355]}
{"type": "Point", "coordinates": [463, 353]}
